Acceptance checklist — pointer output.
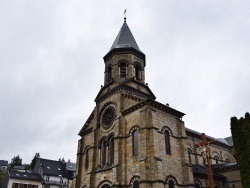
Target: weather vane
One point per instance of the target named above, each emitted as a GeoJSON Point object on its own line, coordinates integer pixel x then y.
{"type": "Point", "coordinates": [125, 14]}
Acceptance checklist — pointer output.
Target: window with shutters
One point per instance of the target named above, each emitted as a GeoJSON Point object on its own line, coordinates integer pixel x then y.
{"type": "Point", "coordinates": [123, 70]}
{"type": "Point", "coordinates": [138, 72]}
{"type": "Point", "coordinates": [15, 185]}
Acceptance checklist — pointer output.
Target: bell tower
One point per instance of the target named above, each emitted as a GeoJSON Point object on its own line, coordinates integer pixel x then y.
{"type": "Point", "coordinates": [125, 60]}
{"type": "Point", "coordinates": [125, 65]}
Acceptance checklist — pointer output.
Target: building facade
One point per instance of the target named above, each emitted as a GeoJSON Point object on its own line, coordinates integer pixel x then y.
{"type": "Point", "coordinates": [131, 140]}
{"type": "Point", "coordinates": [53, 173]}
{"type": "Point", "coordinates": [16, 179]}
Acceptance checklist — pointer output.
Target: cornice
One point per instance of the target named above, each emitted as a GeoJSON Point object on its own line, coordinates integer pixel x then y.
{"type": "Point", "coordinates": [86, 124]}
{"type": "Point", "coordinates": [118, 51]}
{"type": "Point", "coordinates": [124, 87]}
{"type": "Point", "coordinates": [197, 135]}
{"type": "Point", "coordinates": [156, 105]}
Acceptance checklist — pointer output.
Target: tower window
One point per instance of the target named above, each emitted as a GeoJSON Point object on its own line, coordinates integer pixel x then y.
{"type": "Point", "coordinates": [109, 74]}
{"type": "Point", "coordinates": [167, 142]}
{"type": "Point", "coordinates": [135, 142]}
{"type": "Point", "coordinates": [123, 69]}
{"type": "Point", "coordinates": [137, 72]}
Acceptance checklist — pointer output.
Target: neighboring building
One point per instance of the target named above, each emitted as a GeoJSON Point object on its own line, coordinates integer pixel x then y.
{"type": "Point", "coordinates": [131, 140]}
{"type": "Point", "coordinates": [3, 165]}
{"type": "Point", "coordinates": [52, 172]}
{"type": "Point", "coordinates": [21, 168]}
{"type": "Point", "coordinates": [15, 179]}
{"type": "Point", "coordinates": [70, 169]}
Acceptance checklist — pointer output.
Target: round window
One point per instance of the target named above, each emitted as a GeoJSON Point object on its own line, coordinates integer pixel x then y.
{"type": "Point", "coordinates": [108, 118]}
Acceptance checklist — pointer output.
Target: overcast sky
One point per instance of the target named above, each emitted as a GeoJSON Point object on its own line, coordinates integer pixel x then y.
{"type": "Point", "coordinates": [51, 65]}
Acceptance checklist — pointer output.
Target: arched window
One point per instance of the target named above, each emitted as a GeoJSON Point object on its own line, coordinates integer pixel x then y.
{"type": "Point", "coordinates": [167, 142]}
{"type": "Point", "coordinates": [217, 185]}
{"type": "Point", "coordinates": [227, 160]}
{"type": "Point", "coordinates": [111, 151]}
{"type": "Point", "coordinates": [136, 184]}
{"type": "Point", "coordinates": [123, 69]}
{"type": "Point", "coordinates": [135, 142]}
{"type": "Point", "coordinates": [216, 158]}
{"type": "Point", "coordinates": [109, 74]}
{"type": "Point", "coordinates": [87, 159]}
{"type": "Point", "coordinates": [203, 155]}
{"type": "Point", "coordinates": [197, 185]}
{"type": "Point", "coordinates": [171, 184]}
{"type": "Point", "coordinates": [138, 72]}
{"type": "Point", "coordinates": [189, 155]}
{"type": "Point", "coordinates": [104, 153]}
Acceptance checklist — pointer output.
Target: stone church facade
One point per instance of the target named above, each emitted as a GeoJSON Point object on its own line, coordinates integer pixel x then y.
{"type": "Point", "coordinates": [131, 140]}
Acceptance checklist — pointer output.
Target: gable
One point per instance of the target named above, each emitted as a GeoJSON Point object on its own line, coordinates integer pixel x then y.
{"type": "Point", "coordinates": [130, 86]}
{"type": "Point", "coordinates": [86, 128]}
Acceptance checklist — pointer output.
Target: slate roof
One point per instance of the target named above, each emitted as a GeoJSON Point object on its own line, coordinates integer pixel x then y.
{"type": "Point", "coordinates": [25, 175]}
{"type": "Point", "coordinates": [224, 141]}
{"type": "Point", "coordinates": [71, 166]}
{"type": "Point", "coordinates": [125, 39]}
{"type": "Point", "coordinates": [224, 165]}
{"type": "Point", "coordinates": [52, 168]}
{"type": "Point", "coordinates": [20, 167]}
{"type": "Point", "coordinates": [3, 163]}
{"type": "Point", "coordinates": [201, 171]}
{"type": "Point", "coordinates": [229, 140]}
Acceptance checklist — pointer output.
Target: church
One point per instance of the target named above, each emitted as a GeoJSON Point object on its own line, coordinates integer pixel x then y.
{"type": "Point", "coordinates": [131, 140]}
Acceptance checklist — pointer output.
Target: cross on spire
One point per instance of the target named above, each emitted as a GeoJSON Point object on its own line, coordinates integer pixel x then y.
{"type": "Point", "coordinates": [125, 11]}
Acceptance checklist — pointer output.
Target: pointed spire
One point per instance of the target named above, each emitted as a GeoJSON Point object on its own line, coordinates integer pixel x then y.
{"type": "Point", "coordinates": [125, 38]}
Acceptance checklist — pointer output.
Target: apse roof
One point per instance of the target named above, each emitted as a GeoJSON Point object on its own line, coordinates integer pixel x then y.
{"type": "Point", "coordinates": [227, 141]}
{"type": "Point", "coordinates": [125, 39]}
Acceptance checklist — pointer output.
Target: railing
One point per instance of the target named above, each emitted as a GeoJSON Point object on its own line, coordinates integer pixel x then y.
{"type": "Point", "coordinates": [54, 182]}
